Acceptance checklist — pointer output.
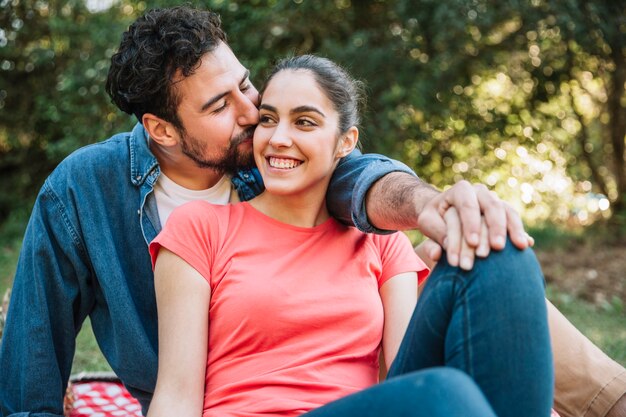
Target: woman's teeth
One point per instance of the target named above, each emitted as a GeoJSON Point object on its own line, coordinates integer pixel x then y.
{"type": "Point", "coordinates": [283, 163]}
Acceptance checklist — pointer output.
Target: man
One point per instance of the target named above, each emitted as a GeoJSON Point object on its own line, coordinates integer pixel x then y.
{"type": "Point", "coordinates": [85, 249]}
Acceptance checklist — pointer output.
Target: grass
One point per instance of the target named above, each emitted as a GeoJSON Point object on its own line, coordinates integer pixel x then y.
{"type": "Point", "coordinates": [88, 357]}
{"type": "Point", "coordinates": [604, 324]}
{"type": "Point", "coordinates": [10, 241]}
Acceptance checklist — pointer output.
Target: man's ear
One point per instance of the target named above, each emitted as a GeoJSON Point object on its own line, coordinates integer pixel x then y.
{"type": "Point", "coordinates": [162, 132]}
{"type": "Point", "coordinates": [347, 142]}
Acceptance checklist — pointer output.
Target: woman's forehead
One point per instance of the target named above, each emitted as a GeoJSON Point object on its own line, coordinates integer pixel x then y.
{"type": "Point", "coordinates": [297, 85]}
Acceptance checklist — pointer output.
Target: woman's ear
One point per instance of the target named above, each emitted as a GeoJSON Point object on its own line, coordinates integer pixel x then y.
{"type": "Point", "coordinates": [347, 142]}
{"type": "Point", "coordinates": [159, 130]}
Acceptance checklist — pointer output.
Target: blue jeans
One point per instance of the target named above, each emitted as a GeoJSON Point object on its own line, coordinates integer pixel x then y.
{"type": "Point", "coordinates": [490, 323]}
{"type": "Point", "coordinates": [436, 392]}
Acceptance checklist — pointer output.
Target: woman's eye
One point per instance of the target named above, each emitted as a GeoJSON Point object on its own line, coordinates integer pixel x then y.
{"type": "Point", "coordinates": [265, 119]}
{"type": "Point", "coordinates": [306, 122]}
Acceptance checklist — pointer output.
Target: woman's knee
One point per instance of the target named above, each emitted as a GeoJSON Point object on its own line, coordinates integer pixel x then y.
{"type": "Point", "coordinates": [449, 377]}
{"type": "Point", "coordinates": [511, 267]}
{"type": "Point", "coordinates": [442, 389]}
{"type": "Point", "coordinates": [433, 383]}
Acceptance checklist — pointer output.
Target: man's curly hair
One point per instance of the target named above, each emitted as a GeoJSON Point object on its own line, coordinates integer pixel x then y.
{"type": "Point", "coordinates": [153, 49]}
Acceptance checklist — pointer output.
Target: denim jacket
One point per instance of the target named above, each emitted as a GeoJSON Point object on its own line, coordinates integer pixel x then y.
{"type": "Point", "coordinates": [85, 254]}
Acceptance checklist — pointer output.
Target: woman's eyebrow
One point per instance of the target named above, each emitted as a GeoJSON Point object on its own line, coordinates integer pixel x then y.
{"type": "Point", "coordinates": [304, 109]}
{"type": "Point", "coordinates": [267, 107]}
{"type": "Point", "coordinates": [299, 109]}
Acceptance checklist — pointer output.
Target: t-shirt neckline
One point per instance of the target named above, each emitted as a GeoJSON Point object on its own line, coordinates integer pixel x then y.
{"type": "Point", "coordinates": [328, 224]}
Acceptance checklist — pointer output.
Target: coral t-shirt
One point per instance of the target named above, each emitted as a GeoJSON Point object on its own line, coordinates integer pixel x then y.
{"type": "Point", "coordinates": [295, 317]}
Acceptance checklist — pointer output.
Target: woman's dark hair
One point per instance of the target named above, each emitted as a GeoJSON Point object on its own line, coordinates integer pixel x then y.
{"type": "Point", "coordinates": [153, 49]}
{"type": "Point", "coordinates": [342, 90]}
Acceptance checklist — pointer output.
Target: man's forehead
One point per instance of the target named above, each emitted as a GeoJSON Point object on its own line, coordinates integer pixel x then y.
{"type": "Point", "coordinates": [220, 62]}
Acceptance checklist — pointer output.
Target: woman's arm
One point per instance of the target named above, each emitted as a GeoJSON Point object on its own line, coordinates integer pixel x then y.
{"type": "Point", "coordinates": [399, 296]}
{"type": "Point", "coordinates": [183, 297]}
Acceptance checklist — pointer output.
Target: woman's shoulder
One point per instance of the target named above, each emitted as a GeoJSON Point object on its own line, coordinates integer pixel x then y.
{"type": "Point", "coordinates": [391, 243]}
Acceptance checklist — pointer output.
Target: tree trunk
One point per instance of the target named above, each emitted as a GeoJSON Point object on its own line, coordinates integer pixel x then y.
{"type": "Point", "coordinates": [618, 126]}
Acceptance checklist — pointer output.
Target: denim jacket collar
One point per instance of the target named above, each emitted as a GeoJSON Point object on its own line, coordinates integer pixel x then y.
{"type": "Point", "coordinates": [144, 172]}
{"type": "Point", "coordinates": [142, 161]}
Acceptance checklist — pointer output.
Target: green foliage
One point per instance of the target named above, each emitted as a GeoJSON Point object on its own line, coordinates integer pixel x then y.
{"type": "Point", "coordinates": [525, 96]}
{"type": "Point", "coordinates": [53, 60]}
{"type": "Point", "coordinates": [11, 233]}
{"type": "Point", "coordinates": [547, 237]}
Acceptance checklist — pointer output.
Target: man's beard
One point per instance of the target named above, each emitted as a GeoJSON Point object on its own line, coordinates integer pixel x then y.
{"type": "Point", "coordinates": [231, 159]}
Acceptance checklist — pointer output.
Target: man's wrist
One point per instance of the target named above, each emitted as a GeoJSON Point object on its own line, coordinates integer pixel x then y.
{"type": "Point", "coordinates": [422, 195]}
{"type": "Point", "coordinates": [395, 201]}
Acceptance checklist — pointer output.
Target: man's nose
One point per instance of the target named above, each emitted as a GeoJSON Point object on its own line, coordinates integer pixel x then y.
{"type": "Point", "coordinates": [248, 111]}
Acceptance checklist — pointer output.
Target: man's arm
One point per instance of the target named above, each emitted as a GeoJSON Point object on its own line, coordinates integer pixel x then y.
{"type": "Point", "coordinates": [425, 208]}
{"type": "Point", "coordinates": [479, 214]}
{"type": "Point", "coordinates": [354, 176]}
{"type": "Point", "coordinates": [396, 200]}
{"type": "Point", "coordinates": [46, 309]}
{"type": "Point", "coordinates": [377, 194]}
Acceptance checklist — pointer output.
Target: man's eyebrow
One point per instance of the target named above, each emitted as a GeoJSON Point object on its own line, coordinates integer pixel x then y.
{"type": "Point", "coordinates": [218, 97]}
{"type": "Point", "coordinates": [245, 77]}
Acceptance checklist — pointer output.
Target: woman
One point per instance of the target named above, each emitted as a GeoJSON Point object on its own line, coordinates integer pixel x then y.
{"type": "Point", "coordinates": [271, 307]}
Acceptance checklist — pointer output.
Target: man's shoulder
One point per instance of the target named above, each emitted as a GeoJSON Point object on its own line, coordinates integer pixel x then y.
{"type": "Point", "coordinates": [102, 162]}
{"type": "Point", "coordinates": [113, 155]}
{"type": "Point", "coordinates": [105, 153]}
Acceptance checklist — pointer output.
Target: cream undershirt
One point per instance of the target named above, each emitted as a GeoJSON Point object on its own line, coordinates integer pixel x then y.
{"type": "Point", "coordinates": [170, 195]}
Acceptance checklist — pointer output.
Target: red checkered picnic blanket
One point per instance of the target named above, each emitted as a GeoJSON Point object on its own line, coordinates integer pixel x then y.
{"type": "Point", "coordinates": [100, 399]}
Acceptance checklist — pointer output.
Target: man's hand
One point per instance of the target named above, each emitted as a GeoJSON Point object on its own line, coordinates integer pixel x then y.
{"type": "Point", "coordinates": [399, 201]}
{"type": "Point", "coordinates": [471, 202]}
{"type": "Point", "coordinates": [430, 251]}
{"type": "Point", "coordinates": [459, 252]}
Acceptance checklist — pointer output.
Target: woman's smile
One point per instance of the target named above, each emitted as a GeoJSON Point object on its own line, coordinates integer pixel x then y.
{"type": "Point", "coordinates": [283, 162]}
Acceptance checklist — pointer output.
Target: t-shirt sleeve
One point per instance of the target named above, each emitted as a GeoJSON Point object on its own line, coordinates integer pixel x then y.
{"type": "Point", "coordinates": [398, 256]}
{"type": "Point", "coordinates": [192, 232]}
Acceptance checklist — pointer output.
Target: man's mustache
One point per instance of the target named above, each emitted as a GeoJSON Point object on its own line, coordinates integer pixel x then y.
{"type": "Point", "coordinates": [244, 135]}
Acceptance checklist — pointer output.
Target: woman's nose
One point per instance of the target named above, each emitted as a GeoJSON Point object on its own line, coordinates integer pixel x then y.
{"type": "Point", "coordinates": [280, 137]}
